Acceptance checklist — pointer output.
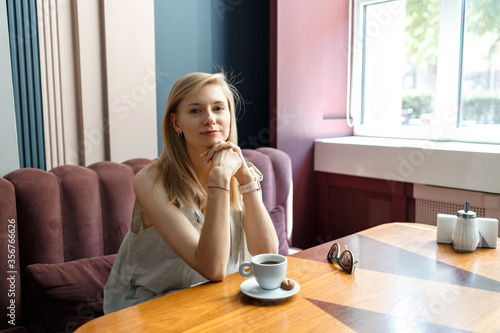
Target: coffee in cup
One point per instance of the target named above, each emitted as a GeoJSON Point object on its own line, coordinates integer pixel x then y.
{"type": "Point", "coordinates": [269, 269]}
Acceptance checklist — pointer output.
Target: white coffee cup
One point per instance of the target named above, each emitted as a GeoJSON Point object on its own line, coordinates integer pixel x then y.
{"type": "Point", "coordinates": [269, 269]}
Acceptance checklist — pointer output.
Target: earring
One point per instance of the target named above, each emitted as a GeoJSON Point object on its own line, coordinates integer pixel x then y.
{"type": "Point", "coordinates": [179, 134]}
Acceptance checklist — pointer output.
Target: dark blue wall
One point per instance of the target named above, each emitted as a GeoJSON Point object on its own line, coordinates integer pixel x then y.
{"type": "Point", "coordinates": [200, 35]}
{"type": "Point", "coordinates": [26, 82]}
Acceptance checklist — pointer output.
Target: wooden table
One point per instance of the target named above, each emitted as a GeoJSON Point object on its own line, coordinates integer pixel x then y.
{"type": "Point", "coordinates": [404, 282]}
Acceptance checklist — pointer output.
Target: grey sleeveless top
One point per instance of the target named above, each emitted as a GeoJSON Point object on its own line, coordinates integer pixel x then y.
{"type": "Point", "coordinates": [146, 267]}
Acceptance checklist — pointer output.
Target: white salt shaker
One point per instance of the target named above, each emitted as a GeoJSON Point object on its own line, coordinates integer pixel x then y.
{"type": "Point", "coordinates": [466, 235]}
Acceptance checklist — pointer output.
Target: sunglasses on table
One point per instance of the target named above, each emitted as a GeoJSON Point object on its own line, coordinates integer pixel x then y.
{"type": "Point", "coordinates": [345, 259]}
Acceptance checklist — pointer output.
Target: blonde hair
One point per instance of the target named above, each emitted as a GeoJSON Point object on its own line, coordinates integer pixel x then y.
{"type": "Point", "coordinates": [175, 169]}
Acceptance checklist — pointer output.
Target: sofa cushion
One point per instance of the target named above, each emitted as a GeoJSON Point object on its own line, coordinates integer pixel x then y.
{"type": "Point", "coordinates": [70, 293]}
{"type": "Point", "coordinates": [278, 217]}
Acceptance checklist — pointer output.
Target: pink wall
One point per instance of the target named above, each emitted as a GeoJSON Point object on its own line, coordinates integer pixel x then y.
{"type": "Point", "coordinates": [308, 88]}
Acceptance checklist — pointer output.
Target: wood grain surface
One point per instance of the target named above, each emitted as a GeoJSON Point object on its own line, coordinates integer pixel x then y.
{"type": "Point", "coordinates": [404, 282]}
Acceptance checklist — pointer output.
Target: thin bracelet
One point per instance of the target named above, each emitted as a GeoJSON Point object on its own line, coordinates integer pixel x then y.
{"type": "Point", "coordinates": [222, 188]}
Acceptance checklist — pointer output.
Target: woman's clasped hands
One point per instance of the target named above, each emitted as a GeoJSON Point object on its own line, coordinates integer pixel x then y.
{"type": "Point", "coordinates": [228, 157]}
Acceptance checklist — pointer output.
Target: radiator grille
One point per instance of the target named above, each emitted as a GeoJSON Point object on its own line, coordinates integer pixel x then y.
{"type": "Point", "coordinates": [426, 210]}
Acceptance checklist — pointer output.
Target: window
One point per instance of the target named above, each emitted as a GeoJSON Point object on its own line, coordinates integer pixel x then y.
{"type": "Point", "coordinates": [427, 69]}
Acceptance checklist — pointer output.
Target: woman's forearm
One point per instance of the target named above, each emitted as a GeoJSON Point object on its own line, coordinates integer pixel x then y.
{"type": "Point", "coordinates": [212, 253]}
{"type": "Point", "coordinates": [259, 228]}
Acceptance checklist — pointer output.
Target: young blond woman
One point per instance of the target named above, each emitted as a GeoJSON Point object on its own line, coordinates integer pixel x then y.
{"type": "Point", "coordinates": [199, 211]}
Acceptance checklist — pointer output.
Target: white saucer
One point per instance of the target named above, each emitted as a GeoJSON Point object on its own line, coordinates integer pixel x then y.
{"type": "Point", "coordinates": [251, 288]}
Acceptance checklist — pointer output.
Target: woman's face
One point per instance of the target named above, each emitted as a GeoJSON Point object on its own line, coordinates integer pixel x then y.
{"type": "Point", "coordinates": [203, 117]}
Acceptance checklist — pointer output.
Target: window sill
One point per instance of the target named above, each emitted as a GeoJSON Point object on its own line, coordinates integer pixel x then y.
{"type": "Point", "coordinates": [459, 165]}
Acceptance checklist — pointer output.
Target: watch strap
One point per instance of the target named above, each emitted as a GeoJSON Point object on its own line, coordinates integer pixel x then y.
{"type": "Point", "coordinates": [253, 186]}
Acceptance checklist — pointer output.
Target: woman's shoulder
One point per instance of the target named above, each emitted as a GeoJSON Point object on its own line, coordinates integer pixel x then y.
{"type": "Point", "coordinates": [147, 177]}
{"type": "Point", "coordinates": [149, 188]}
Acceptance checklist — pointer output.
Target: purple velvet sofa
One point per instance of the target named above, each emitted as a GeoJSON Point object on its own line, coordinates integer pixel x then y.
{"type": "Point", "coordinates": [61, 230]}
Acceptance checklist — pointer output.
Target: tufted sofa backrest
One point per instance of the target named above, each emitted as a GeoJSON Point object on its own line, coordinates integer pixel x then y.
{"type": "Point", "coordinates": [277, 186]}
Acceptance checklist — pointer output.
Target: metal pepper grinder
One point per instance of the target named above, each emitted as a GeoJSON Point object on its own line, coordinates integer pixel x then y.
{"type": "Point", "coordinates": [466, 235]}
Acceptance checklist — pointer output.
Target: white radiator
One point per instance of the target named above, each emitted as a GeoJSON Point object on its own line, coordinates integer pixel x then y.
{"type": "Point", "coordinates": [431, 200]}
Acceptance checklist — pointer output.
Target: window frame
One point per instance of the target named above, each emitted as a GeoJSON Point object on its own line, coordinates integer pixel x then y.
{"type": "Point", "coordinates": [449, 73]}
